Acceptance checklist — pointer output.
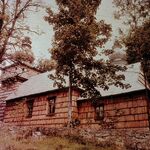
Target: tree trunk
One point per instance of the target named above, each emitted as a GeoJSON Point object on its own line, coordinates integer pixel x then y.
{"type": "Point", "coordinates": [70, 100]}
{"type": "Point", "coordinates": [2, 16]}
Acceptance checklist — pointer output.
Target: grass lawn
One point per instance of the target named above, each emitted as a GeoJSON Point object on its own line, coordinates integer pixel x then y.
{"type": "Point", "coordinates": [48, 143]}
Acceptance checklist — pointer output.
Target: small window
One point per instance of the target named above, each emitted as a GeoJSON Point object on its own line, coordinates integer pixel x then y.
{"type": "Point", "coordinates": [29, 108]}
{"type": "Point", "coordinates": [50, 105]}
{"type": "Point", "coordinates": [99, 112]}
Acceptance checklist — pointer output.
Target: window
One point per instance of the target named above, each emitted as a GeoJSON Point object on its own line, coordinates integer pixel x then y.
{"type": "Point", "coordinates": [50, 105]}
{"type": "Point", "coordinates": [99, 112]}
{"type": "Point", "coordinates": [29, 108]}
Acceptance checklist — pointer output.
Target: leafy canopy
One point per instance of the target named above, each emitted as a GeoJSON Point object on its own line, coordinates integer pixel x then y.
{"type": "Point", "coordinates": [78, 35]}
{"type": "Point", "coordinates": [45, 65]}
{"type": "Point", "coordinates": [138, 46]}
{"type": "Point", "coordinates": [24, 54]}
{"type": "Point", "coordinates": [136, 15]}
{"type": "Point", "coordinates": [12, 25]}
{"type": "Point", "coordinates": [132, 12]}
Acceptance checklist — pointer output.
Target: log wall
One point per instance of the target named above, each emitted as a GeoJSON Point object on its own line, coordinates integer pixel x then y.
{"type": "Point", "coordinates": [120, 112]}
{"type": "Point", "coordinates": [15, 111]}
{"type": "Point", "coordinates": [4, 93]}
{"type": "Point", "coordinates": [5, 90]}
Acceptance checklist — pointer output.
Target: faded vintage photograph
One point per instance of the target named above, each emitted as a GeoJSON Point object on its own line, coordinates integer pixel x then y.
{"type": "Point", "coordinates": [74, 75]}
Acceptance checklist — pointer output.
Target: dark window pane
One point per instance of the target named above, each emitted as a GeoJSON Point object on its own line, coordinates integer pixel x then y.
{"type": "Point", "coordinates": [51, 105]}
{"type": "Point", "coordinates": [29, 108]}
{"type": "Point", "coordinates": [99, 112]}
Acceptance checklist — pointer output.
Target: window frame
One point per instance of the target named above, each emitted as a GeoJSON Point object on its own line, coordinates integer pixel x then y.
{"type": "Point", "coordinates": [29, 108]}
{"type": "Point", "coordinates": [51, 105]}
{"type": "Point", "coordinates": [99, 115]}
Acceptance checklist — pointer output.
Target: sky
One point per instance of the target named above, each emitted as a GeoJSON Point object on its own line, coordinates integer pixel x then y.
{"type": "Point", "coordinates": [41, 43]}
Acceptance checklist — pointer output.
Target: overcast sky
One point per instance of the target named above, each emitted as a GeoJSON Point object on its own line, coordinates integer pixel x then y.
{"type": "Point", "coordinates": [42, 43]}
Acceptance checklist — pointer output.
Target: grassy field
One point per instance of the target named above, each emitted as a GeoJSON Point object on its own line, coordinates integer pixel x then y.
{"type": "Point", "coordinates": [12, 138]}
{"type": "Point", "coordinates": [48, 143]}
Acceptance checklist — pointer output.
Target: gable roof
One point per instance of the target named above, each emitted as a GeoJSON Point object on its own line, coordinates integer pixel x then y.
{"type": "Point", "coordinates": [42, 83]}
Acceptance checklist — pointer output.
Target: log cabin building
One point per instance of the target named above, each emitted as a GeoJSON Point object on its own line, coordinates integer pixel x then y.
{"type": "Point", "coordinates": [36, 102]}
{"type": "Point", "coordinates": [12, 76]}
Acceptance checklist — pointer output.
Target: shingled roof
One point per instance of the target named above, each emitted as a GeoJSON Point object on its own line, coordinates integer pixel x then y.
{"type": "Point", "coordinates": [36, 84]}
{"type": "Point", "coordinates": [42, 83]}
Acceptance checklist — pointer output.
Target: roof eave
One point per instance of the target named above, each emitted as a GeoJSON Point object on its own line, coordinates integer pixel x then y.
{"type": "Point", "coordinates": [41, 93]}
{"type": "Point", "coordinates": [114, 95]}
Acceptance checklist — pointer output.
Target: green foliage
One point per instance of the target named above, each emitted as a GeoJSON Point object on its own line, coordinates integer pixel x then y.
{"type": "Point", "coordinates": [78, 35]}
{"type": "Point", "coordinates": [24, 54]}
{"type": "Point", "coordinates": [133, 12]}
{"type": "Point", "coordinates": [137, 43]}
{"type": "Point", "coordinates": [46, 65]}
{"type": "Point", "coordinates": [138, 46]}
{"type": "Point", "coordinates": [136, 14]}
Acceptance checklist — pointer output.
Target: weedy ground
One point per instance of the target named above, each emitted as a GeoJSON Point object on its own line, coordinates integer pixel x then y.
{"type": "Point", "coordinates": [7, 142]}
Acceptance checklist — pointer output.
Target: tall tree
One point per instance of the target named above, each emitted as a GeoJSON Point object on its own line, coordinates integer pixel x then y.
{"type": "Point", "coordinates": [78, 35]}
{"type": "Point", "coordinates": [138, 47]}
{"type": "Point", "coordinates": [136, 15]}
{"type": "Point", "coordinates": [12, 28]}
{"type": "Point", "coordinates": [132, 12]}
